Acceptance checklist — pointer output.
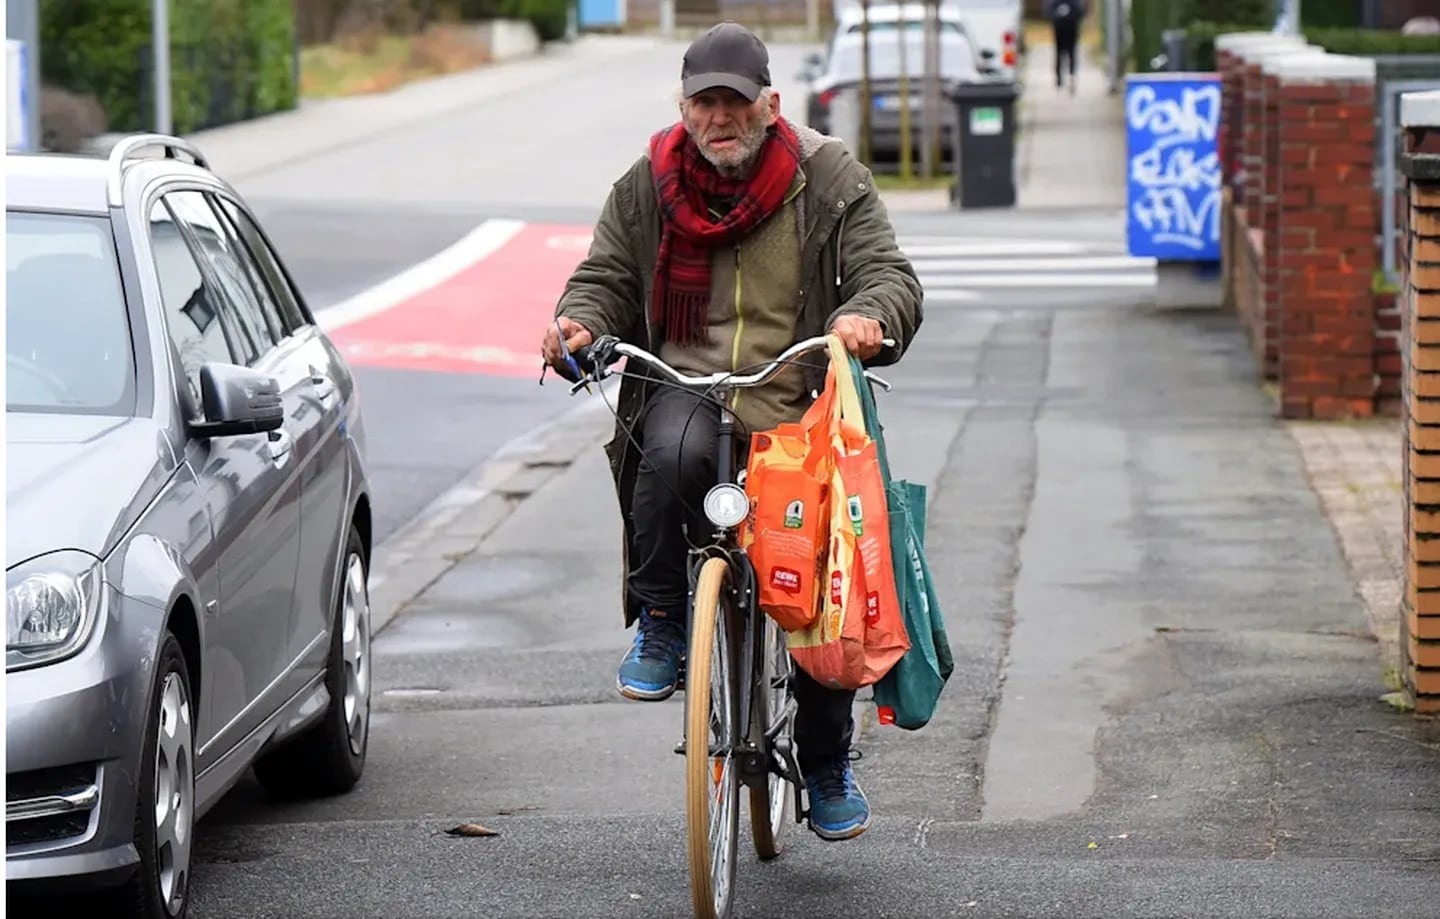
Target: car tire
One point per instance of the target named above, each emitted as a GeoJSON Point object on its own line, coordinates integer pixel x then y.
{"type": "Point", "coordinates": [160, 886]}
{"type": "Point", "coordinates": [329, 758]}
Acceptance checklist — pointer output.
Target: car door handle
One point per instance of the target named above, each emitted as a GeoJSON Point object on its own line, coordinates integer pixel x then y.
{"type": "Point", "coordinates": [280, 444]}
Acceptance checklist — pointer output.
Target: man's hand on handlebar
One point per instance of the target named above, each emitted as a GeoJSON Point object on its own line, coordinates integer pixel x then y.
{"type": "Point", "coordinates": [863, 337]}
{"type": "Point", "coordinates": [576, 337]}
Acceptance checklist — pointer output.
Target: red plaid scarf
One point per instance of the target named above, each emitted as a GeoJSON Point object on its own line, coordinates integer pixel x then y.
{"type": "Point", "coordinates": [685, 185]}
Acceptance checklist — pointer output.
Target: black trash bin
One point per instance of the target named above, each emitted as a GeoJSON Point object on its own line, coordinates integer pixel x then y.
{"type": "Point", "coordinates": [984, 144]}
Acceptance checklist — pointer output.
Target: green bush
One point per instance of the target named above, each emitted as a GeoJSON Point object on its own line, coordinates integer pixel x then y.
{"type": "Point", "coordinates": [1149, 19]}
{"type": "Point", "coordinates": [549, 17]}
{"type": "Point", "coordinates": [1200, 42]}
{"type": "Point", "coordinates": [1371, 41]}
{"type": "Point", "coordinates": [229, 59]}
{"type": "Point", "coordinates": [1329, 14]}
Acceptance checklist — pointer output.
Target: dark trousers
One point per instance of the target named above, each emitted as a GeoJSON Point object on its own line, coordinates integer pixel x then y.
{"type": "Point", "coordinates": [678, 433]}
{"type": "Point", "coordinates": [1067, 33]}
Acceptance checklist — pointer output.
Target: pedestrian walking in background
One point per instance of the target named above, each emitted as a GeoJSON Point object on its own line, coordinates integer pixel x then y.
{"type": "Point", "coordinates": [1065, 17]}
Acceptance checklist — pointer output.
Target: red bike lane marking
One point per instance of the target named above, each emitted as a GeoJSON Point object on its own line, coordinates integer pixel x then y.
{"type": "Point", "coordinates": [487, 318]}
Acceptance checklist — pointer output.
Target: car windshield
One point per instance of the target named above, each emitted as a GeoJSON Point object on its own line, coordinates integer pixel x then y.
{"type": "Point", "coordinates": [67, 337]}
{"type": "Point", "coordinates": [911, 25]}
{"type": "Point", "coordinates": [955, 59]}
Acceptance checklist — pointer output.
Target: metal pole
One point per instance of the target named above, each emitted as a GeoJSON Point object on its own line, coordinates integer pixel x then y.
{"type": "Point", "coordinates": [1114, 19]}
{"type": "Point", "coordinates": [1292, 16]}
{"type": "Point", "coordinates": [865, 82]}
{"type": "Point", "coordinates": [160, 47]}
{"type": "Point", "coordinates": [930, 127]}
{"type": "Point", "coordinates": [22, 23]}
{"type": "Point", "coordinates": [907, 153]}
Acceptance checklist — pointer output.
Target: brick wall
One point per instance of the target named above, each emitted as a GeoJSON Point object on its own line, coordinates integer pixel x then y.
{"type": "Point", "coordinates": [1248, 285]}
{"type": "Point", "coordinates": [1420, 327]}
{"type": "Point", "coordinates": [1327, 223]}
{"type": "Point", "coordinates": [1302, 226]}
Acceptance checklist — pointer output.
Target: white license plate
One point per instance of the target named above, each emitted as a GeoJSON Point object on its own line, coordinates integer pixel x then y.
{"type": "Point", "coordinates": [891, 103]}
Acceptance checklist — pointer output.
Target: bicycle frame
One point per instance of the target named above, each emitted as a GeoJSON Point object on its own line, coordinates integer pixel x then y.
{"type": "Point", "coordinates": [757, 758]}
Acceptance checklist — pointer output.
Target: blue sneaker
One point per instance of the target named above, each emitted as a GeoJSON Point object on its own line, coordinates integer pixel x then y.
{"type": "Point", "coordinates": [650, 672]}
{"type": "Point", "coordinates": [838, 809]}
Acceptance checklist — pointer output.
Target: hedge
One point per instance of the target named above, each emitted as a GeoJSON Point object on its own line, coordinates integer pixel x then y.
{"type": "Point", "coordinates": [549, 17]}
{"type": "Point", "coordinates": [1200, 42]}
{"type": "Point", "coordinates": [1149, 19]}
{"type": "Point", "coordinates": [229, 59]}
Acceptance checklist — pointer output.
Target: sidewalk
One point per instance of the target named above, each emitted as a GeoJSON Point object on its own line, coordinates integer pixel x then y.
{"type": "Point", "coordinates": [244, 149]}
{"type": "Point", "coordinates": [1072, 153]}
{"type": "Point", "coordinates": [1356, 470]}
{"type": "Point", "coordinates": [1071, 149]}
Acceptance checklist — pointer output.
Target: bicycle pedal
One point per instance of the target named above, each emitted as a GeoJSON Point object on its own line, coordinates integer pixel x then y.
{"type": "Point", "coordinates": [680, 747]}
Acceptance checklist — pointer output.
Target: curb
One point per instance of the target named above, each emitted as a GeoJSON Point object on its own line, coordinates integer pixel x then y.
{"type": "Point", "coordinates": [457, 522]}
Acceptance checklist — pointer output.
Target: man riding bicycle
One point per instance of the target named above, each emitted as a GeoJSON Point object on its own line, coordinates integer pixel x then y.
{"type": "Point", "coordinates": [735, 235]}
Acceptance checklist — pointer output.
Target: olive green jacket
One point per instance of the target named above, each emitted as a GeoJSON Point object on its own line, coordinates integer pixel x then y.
{"type": "Point", "coordinates": [849, 264]}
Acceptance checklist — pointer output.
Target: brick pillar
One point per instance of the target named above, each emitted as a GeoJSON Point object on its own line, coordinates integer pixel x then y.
{"type": "Point", "coordinates": [1265, 203]}
{"type": "Point", "coordinates": [1420, 299]}
{"type": "Point", "coordinates": [1235, 257]}
{"type": "Point", "coordinates": [1230, 50]}
{"type": "Point", "coordinates": [1249, 79]}
{"type": "Point", "coordinates": [1327, 237]}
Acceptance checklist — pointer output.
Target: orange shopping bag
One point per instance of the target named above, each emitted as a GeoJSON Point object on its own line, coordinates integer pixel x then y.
{"type": "Point", "coordinates": [788, 480]}
{"type": "Point", "coordinates": [860, 632]}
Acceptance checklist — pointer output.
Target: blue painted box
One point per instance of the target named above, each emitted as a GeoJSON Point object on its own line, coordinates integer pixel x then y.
{"type": "Point", "coordinates": [1172, 123]}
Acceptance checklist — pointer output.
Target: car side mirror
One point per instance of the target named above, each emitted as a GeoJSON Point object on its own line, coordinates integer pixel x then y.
{"type": "Point", "coordinates": [814, 60]}
{"type": "Point", "coordinates": [238, 400]}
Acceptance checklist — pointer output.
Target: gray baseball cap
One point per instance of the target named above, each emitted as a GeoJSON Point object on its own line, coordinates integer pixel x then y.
{"type": "Point", "coordinates": [728, 55]}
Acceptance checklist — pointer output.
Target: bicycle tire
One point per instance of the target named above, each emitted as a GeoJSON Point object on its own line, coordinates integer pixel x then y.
{"type": "Point", "coordinates": [711, 900]}
{"type": "Point", "coordinates": [769, 803]}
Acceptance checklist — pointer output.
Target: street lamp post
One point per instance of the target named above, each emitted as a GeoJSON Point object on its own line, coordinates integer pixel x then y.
{"type": "Point", "coordinates": [1292, 16]}
{"type": "Point", "coordinates": [22, 25]}
{"type": "Point", "coordinates": [160, 48]}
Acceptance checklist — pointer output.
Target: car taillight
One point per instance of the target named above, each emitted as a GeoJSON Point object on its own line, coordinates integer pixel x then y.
{"type": "Point", "coordinates": [827, 97]}
{"type": "Point", "coordinates": [1010, 56]}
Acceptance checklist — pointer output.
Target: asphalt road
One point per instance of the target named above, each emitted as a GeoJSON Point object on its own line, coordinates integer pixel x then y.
{"type": "Point", "coordinates": [1163, 702]}
{"type": "Point", "coordinates": [351, 217]}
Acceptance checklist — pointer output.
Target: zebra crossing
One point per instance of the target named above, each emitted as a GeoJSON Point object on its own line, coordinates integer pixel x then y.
{"type": "Point", "coordinates": [955, 269]}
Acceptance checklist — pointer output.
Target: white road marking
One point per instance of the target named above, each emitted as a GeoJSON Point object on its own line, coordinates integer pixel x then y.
{"type": "Point", "coordinates": [475, 246]}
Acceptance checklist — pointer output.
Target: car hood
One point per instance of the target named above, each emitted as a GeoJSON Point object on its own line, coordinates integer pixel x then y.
{"type": "Point", "coordinates": [77, 481]}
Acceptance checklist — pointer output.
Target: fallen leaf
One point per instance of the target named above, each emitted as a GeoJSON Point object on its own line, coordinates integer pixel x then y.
{"type": "Point", "coordinates": [472, 829]}
{"type": "Point", "coordinates": [1093, 845]}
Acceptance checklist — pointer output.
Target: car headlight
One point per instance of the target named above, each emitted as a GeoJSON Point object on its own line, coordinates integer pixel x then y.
{"type": "Point", "coordinates": [52, 603]}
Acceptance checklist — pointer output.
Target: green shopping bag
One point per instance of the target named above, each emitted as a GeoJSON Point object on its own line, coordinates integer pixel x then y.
{"type": "Point", "coordinates": [906, 696]}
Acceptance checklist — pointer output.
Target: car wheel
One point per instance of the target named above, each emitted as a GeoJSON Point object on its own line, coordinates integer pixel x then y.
{"type": "Point", "coordinates": [165, 798]}
{"type": "Point", "coordinates": [329, 758]}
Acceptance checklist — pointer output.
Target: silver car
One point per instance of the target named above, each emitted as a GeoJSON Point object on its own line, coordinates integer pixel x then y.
{"type": "Point", "coordinates": [188, 523]}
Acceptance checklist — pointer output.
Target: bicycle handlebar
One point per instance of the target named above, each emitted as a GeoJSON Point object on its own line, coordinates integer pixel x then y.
{"type": "Point", "coordinates": [597, 357]}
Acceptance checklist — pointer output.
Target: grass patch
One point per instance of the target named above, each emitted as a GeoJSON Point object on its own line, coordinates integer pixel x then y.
{"type": "Point", "coordinates": [371, 61]}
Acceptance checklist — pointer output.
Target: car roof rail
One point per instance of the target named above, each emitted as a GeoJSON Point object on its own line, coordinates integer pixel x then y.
{"type": "Point", "coordinates": [127, 148]}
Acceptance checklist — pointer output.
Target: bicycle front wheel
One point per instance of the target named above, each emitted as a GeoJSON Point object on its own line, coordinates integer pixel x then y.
{"type": "Point", "coordinates": [712, 781]}
{"type": "Point", "coordinates": [774, 716]}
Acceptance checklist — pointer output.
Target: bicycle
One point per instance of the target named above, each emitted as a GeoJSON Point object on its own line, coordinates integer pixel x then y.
{"type": "Point", "coordinates": [737, 665]}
